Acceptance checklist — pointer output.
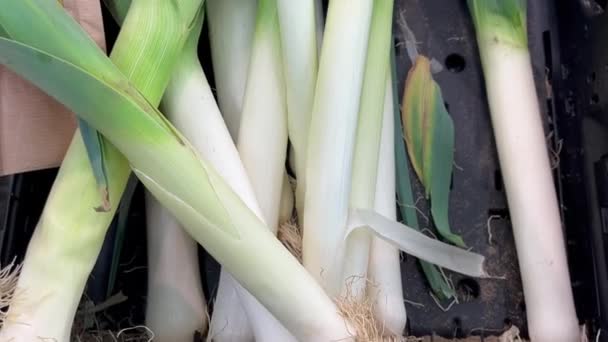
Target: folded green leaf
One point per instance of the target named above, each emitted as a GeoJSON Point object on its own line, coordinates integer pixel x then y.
{"type": "Point", "coordinates": [93, 142]}
{"type": "Point", "coordinates": [120, 108]}
{"type": "Point", "coordinates": [429, 134]}
{"type": "Point", "coordinates": [407, 207]}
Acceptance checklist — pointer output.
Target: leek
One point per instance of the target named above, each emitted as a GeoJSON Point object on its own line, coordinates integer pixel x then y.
{"type": "Point", "coordinates": [231, 28]}
{"type": "Point", "coordinates": [367, 147]}
{"type": "Point", "coordinates": [520, 140]}
{"type": "Point", "coordinates": [299, 46]}
{"type": "Point", "coordinates": [262, 143]}
{"type": "Point", "coordinates": [190, 187]}
{"type": "Point", "coordinates": [176, 306]}
{"type": "Point", "coordinates": [70, 232]}
{"type": "Point", "coordinates": [332, 138]}
{"type": "Point", "coordinates": [190, 105]}
{"type": "Point", "coordinates": [384, 260]}
{"type": "Point", "coordinates": [189, 89]}
{"type": "Point", "coordinates": [198, 197]}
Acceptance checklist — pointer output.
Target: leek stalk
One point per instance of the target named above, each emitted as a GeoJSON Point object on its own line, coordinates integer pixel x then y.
{"type": "Point", "coordinates": [262, 144]}
{"type": "Point", "coordinates": [298, 29]}
{"type": "Point", "coordinates": [367, 146]}
{"type": "Point", "coordinates": [522, 151]}
{"type": "Point", "coordinates": [70, 232]}
{"type": "Point", "coordinates": [198, 196]}
{"type": "Point", "coordinates": [231, 30]}
{"type": "Point", "coordinates": [190, 105]}
{"type": "Point", "coordinates": [384, 260]}
{"type": "Point", "coordinates": [332, 138]}
{"type": "Point", "coordinates": [176, 306]}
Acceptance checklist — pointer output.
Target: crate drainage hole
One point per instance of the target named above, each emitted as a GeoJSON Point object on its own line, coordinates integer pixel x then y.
{"type": "Point", "coordinates": [595, 98]}
{"type": "Point", "coordinates": [468, 289]}
{"type": "Point", "coordinates": [455, 63]}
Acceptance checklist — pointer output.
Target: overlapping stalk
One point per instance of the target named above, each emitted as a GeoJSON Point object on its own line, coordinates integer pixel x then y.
{"type": "Point", "coordinates": [332, 138]}
{"type": "Point", "coordinates": [192, 188]}
{"type": "Point", "coordinates": [231, 28]}
{"type": "Point", "coordinates": [298, 27]}
{"type": "Point", "coordinates": [367, 146]}
{"type": "Point", "coordinates": [70, 233]}
{"type": "Point", "coordinates": [198, 196]}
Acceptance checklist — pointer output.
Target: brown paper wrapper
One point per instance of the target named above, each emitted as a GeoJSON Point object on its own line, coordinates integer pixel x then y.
{"type": "Point", "coordinates": [35, 130]}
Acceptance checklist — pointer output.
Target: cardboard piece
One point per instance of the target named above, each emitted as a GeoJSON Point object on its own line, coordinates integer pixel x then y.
{"type": "Point", "coordinates": [35, 130]}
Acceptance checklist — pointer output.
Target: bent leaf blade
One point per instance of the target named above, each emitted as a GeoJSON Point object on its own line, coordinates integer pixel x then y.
{"type": "Point", "coordinates": [429, 133]}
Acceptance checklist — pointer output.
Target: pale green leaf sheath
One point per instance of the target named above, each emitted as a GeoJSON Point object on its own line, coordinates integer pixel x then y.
{"type": "Point", "coordinates": [367, 145]}
{"type": "Point", "coordinates": [524, 161]}
{"type": "Point", "coordinates": [262, 144]}
{"type": "Point", "coordinates": [70, 232]}
{"type": "Point", "coordinates": [210, 211]}
{"type": "Point", "coordinates": [331, 140]}
{"type": "Point", "coordinates": [231, 30]}
{"type": "Point", "coordinates": [190, 106]}
{"type": "Point", "coordinates": [207, 207]}
{"type": "Point", "coordinates": [176, 306]}
{"type": "Point", "coordinates": [384, 260]}
{"type": "Point", "coordinates": [298, 27]}
{"type": "Point", "coordinates": [429, 134]}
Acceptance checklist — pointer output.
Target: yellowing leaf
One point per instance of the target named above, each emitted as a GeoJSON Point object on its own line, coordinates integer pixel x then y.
{"type": "Point", "coordinates": [429, 134]}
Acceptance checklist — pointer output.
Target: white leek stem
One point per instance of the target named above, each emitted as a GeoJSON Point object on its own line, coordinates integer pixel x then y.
{"type": "Point", "coordinates": [176, 306]}
{"type": "Point", "coordinates": [231, 26]}
{"type": "Point", "coordinates": [48, 293]}
{"type": "Point", "coordinates": [262, 144]}
{"type": "Point", "coordinates": [533, 205]}
{"type": "Point", "coordinates": [213, 142]}
{"type": "Point", "coordinates": [367, 146]}
{"type": "Point", "coordinates": [262, 141]}
{"type": "Point", "coordinates": [384, 261]}
{"type": "Point", "coordinates": [300, 52]}
{"type": "Point", "coordinates": [189, 104]}
{"type": "Point", "coordinates": [332, 139]}
{"type": "Point", "coordinates": [522, 150]}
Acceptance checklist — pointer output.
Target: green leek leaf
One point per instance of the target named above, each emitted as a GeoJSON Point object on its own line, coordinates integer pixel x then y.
{"type": "Point", "coordinates": [438, 284]}
{"type": "Point", "coordinates": [118, 9]}
{"type": "Point", "coordinates": [117, 107]}
{"type": "Point", "coordinates": [501, 21]}
{"type": "Point", "coordinates": [429, 134]}
{"type": "Point", "coordinates": [93, 142]}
